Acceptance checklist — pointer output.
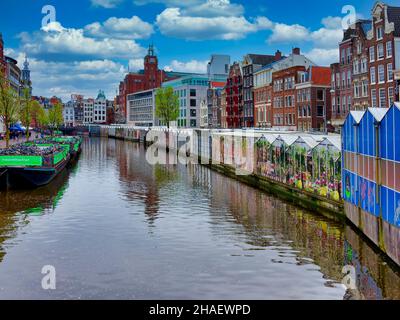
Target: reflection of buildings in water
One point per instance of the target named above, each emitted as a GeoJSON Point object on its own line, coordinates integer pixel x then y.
{"type": "Point", "coordinates": [138, 179]}
{"type": "Point", "coordinates": [269, 222]}
{"type": "Point", "coordinates": [264, 218]}
{"type": "Point", "coordinates": [375, 279]}
{"type": "Point", "coordinates": [16, 205]}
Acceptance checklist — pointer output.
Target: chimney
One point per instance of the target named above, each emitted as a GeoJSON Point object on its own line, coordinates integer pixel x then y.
{"type": "Point", "coordinates": [296, 51]}
{"type": "Point", "coordinates": [278, 55]}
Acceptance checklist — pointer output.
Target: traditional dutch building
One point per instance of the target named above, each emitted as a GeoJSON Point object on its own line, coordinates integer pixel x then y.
{"type": "Point", "coordinates": [251, 63]}
{"type": "Point", "coordinates": [384, 54]}
{"type": "Point", "coordinates": [224, 123]}
{"type": "Point", "coordinates": [88, 105]}
{"type": "Point", "coordinates": [313, 99]}
{"type": "Point", "coordinates": [214, 104]}
{"type": "Point", "coordinates": [100, 109]}
{"type": "Point", "coordinates": [69, 114]}
{"type": "Point", "coordinates": [360, 53]}
{"type": "Point", "coordinates": [342, 81]}
{"type": "Point", "coordinates": [234, 97]}
{"type": "Point", "coordinates": [285, 75]}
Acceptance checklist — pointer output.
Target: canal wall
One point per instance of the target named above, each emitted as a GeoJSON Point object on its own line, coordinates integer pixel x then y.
{"type": "Point", "coordinates": [301, 168]}
{"type": "Point", "coordinates": [371, 176]}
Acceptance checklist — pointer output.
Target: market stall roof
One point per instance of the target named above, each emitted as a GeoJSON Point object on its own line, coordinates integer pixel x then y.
{"type": "Point", "coordinates": [357, 115]}
{"type": "Point", "coordinates": [288, 140]}
{"type": "Point", "coordinates": [330, 142]}
{"type": "Point", "coordinates": [378, 113]}
{"type": "Point", "coordinates": [307, 142]}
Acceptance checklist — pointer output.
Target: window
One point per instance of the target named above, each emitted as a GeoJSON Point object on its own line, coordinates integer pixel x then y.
{"type": "Point", "coordinates": [192, 92]}
{"type": "Point", "coordinates": [349, 103]}
{"type": "Point", "coordinates": [193, 102]}
{"type": "Point", "coordinates": [390, 72]}
{"type": "Point", "coordinates": [391, 96]}
{"type": "Point", "coordinates": [381, 73]}
{"type": "Point", "coordinates": [373, 98]}
{"type": "Point", "coordinates": [382, 98]}
{"type": "Point", "coordinates": [372, 54]}
{"type": "Point", "coordinates": [381, 51]}
{"type": "Point", "coordinates": [348, 79]}
{"type": "Point", "coordinates": [320, 95]}
{"type": "Point", "coordinates": [193, 113]}
{"type": "Point", "coordinates": [389, 49]}
{"type": "Point", "coordinates": [379, 33]}
{"type": "Point", "coordinates": [373, 75]}
{"type": "Point", "coordinates": [320, 111]}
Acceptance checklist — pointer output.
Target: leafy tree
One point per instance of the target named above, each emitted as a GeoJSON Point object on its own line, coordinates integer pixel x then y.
{"type": "Point", "coordinates": [9, 105]}
{"type": "Point", "coordinates": [36, 110]}
{"type": "Point", "coordinates": [167, 105]}
{"type": "Point", "coordinates": [42, 117]}
{"type": "Point", "coordinates": [55, 117]}
{"type": "Point", "coordinates": [26, 111]}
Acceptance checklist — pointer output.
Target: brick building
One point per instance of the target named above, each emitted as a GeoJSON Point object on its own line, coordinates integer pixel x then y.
{"type": "Point", "coordinates": [224, 123]}
{"type": "Point", "coordinates": [284, 109]}
{"type": "Point", "coordinates": [313, 99]}
{"type": "Point", "coordinates": [342, 81]}
{"type": "Point", "coordinates": [252, 63]}
{"type": "Point", "coordinates": [384, 54]}
{"type": "Point", "coordinates": [234, 97]}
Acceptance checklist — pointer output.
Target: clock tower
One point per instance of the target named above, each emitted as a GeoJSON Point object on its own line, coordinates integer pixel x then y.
{"type": "Point", "coordinates": [151, 72]}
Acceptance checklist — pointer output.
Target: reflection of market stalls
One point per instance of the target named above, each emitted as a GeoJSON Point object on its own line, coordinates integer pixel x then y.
{"type": "Point", "coordinates": [307, 162]}
{"type": "Point", "coordinates": [371, 190]}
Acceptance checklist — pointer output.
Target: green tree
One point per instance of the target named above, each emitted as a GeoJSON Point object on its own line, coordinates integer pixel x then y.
{"type": "Point", "coordinates": [167, 105]}
{"type": "Point", "coordinates": [9, 105]}
{"type": "Point", "coordinates": [55, 117]}
{"type": "Point", "coordinates": [42, 117]}
{"type": "Point", "coordinates": [26, 111]}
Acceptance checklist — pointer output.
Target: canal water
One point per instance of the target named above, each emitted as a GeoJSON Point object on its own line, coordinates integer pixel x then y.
{"type": "Point", "coordinates": [114, 227]}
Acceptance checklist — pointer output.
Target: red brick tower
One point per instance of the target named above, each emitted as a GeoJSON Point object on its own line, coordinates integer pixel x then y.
{"type": "Point", "coordinates": [151, 72]}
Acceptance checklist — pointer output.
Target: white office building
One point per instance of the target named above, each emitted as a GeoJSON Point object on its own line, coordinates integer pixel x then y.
{"type": "Point", "coordinates": [191, 90]}
{"type": "Point", "coordinates": [141, 109]}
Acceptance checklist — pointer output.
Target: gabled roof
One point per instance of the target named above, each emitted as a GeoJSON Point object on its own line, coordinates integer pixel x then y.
{"type": "Point", "coordinates": [393, 15]}
{"type": "Point", "coordinates": [310, 142]}
{"type": "Point", "coordinates": [378, 113]}
{"type": "Point", "coordinates": [357, 115]}
{"type": "Point", "coordinates": [261, 59]}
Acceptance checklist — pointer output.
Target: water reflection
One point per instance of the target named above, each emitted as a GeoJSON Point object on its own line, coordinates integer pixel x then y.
{"type": "Point", "coordinates": [126, 229]}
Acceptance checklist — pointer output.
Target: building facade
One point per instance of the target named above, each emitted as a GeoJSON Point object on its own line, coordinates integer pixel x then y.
{"type": "Point", "coordinates": [252, 63]}
{"type": "Point", "coordinates": [191, 90]}
{"type": "Point", "coordinates": [141, 108]}
{"type": "Point", "coordinates": [384, 54]}
{"type": "Point", "coordinates": [313, 99]}
{"type": "Point", "coordinates": [2, 57]}
{"type": "Point", "coordinates": [13, 74]}
{"type": "Point", "coordinates": [234, 97]}
{"type": "Point", "coordinates": [69, 114]}
{"type": "Point", "coordinates": [88, 105]}
{"type": "Point", "coordinates": [224, 123]}
{"type": "Point", "coordinates": [100, 109]}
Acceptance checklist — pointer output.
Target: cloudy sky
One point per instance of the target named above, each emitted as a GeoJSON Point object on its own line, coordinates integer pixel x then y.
{"type": "Point", "coordinates": [93, 43]}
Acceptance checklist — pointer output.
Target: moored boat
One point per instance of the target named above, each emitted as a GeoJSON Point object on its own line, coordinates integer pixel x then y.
{"type": "Point", "coordinates": [26, 166]}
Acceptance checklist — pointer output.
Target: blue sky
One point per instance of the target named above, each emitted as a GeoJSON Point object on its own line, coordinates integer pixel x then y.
{"type": "Point", "coordinates": [92, 42]}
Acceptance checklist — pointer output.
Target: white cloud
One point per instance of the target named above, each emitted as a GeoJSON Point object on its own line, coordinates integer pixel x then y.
{"type": "Point", "coordinates": [64, 78]}
{"type": "Point", "coordinates": [136, 65]}
{"type": "Point", "coordinates": [284, 33]}
{"type": "Point", "coordinates": [193, 66]}
{"type": "Point", "coordinates": [108, 4]}
{"type": "Point", "coordinates": [323, 57]}
{"type": "Point", "coordinates": [55, 39]}
{"type": "Point", "coordinates": [327, 37]}
{"type": "Point", "coordinates": [215, 8]}
{"type": "Point", "coordinates": [120, 28]}
{"type": "Point", "coordinates": [172, 22]}
{"type": "Point", "coordinates": [169, 3]}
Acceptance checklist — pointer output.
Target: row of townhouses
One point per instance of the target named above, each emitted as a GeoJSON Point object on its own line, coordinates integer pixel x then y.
{"type": "Point", "coordinates": [276, 91]}
{"type": "Point", "coordinates": [80, 111]}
